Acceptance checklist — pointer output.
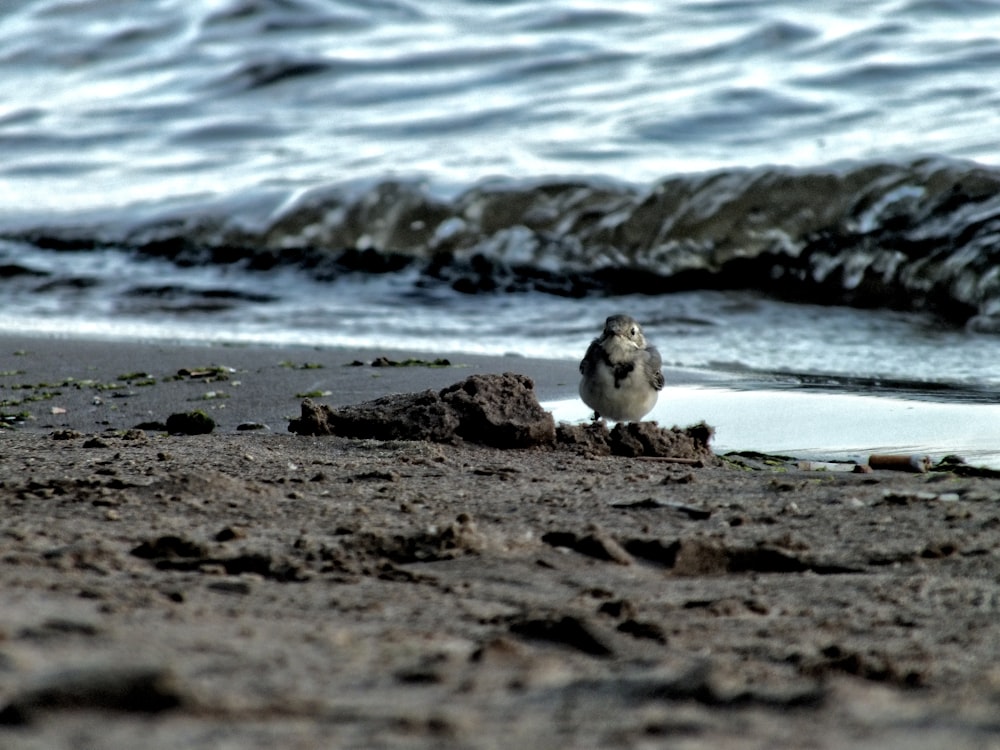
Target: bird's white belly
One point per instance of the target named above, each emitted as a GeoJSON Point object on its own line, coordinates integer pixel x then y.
{"type": "Point", "coordinates": [627, 401]}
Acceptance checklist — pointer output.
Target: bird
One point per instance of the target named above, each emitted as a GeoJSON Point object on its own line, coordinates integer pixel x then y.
{"type": "Point", "coordinates": [621, 375]}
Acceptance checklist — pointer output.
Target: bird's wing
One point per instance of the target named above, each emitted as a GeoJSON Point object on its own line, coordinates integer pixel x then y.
{"type": "Point", "coordinates": [651, 366]}
{"type": "Point", "coordinates": [591, 358]}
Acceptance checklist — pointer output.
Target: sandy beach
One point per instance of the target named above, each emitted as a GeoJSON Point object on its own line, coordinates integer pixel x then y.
{"type": "Point", "coordinates": [256, 588]}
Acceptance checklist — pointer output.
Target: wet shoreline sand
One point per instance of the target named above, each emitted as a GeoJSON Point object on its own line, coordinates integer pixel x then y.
{"type": "Point", "coordinates": [95, 384]}
{"type": "Point", "coordinates": [259, 588]}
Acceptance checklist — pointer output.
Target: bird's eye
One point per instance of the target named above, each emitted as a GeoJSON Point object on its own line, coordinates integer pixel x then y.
{"type": "Point", "coordinates": [634, 331]}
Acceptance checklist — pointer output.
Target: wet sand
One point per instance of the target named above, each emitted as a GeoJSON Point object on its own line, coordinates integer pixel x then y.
{"type": "Point", "coordinates": [253, 588]}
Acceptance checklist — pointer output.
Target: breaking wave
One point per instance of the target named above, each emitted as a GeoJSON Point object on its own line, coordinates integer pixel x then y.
{"type": "Point", "coordinates": [922, 235]}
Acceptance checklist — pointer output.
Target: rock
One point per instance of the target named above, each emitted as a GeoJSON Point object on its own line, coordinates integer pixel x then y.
{"type": "Point", "coordinates": [151, 427]}
{"type": "Point", "coordinates": [169, 546]}
{"type": "Point", "coordinates": [409, 416]}
{"type": "Point", "coordinates": [637, 439]}
{"type": "Point", "coordinates": [567, 630]}
{"type": "Point", "coordinates": [500, 410]}
{"type": "Point", "coordinates": [65, 435]}
{"type": "Point", "coordinates": [190, 423]}
{"type": "Point", "coordinates": [497, 410]}
{"type": "Point", "coordinates": [138, 689]}
{"type": "Point", "coordinates": [649, 439]}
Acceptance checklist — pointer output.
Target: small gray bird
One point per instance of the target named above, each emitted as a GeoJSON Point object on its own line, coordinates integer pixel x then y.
{"type": "Point", "coordinates": [621, 372]}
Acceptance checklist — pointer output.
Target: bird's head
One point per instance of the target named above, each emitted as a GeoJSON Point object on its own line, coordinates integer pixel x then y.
{"type": "Point", "coordinates": [624, 327]}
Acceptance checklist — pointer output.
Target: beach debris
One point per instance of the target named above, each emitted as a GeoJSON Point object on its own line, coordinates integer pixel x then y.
{"type": "Point", "coordinates": [190, 423]}
{"type": "Point", "coordinates": [250, 426]}
{"type": "Point", "coordinates": [110, 688]}
{"type": "Point", "coordinates": [893, 462]}
{"type": "Point", "coordinates": [902, 497]}
{"type": "Point", "coordinates": [211, 396]}
{"type": "Point", "coordinates": [497, 410]}
{"type": "Point", "coordinates": [9, 420]}
{"type": "Point", "coordinates": [957, 465]}
{"type": "Point", "coordinates": [847, 467]}
{"type": "Point", "coordinates": [65, 435]}
{"type": "Point", "coordinates": [151, 426]}
{"type": "Point", "coordinates": [209, 374]}
{"type": "Point", "coordinates": [914, 463]}
{"type": "Point", "coordinates": [314, 394]}
{"type": "Point", "coordinates": [408, 362]}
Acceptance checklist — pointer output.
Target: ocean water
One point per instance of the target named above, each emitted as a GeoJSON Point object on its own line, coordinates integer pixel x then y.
{"type": "Point", "coordinates": [800, 201]}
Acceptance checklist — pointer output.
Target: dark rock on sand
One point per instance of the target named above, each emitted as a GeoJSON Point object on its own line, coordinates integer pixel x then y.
{"type": "Point", "coordinates": [190, 423]}
{"type": "Point", "coordinates": [151, 426]}
{"type": "Point", "coordinates": [409, 416]}
{"type": "Point", "coordinates": [638, 439]}
{"type": "Point", "coordinates": [567, 631]}
{"type": "Point", "coordinates": [169, 546]}
{"type": "Point", "coordinates": [136, 689]}
{"type": "Point", "coordinates": [497, 410]}
{"type": "Point", "coordinates": [500, 410]}
{"type": "Point", "coordinates": [65, 435]}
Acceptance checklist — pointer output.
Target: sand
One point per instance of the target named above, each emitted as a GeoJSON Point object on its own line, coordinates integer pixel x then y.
{"type": "Point", "coordinates": [255, 588]}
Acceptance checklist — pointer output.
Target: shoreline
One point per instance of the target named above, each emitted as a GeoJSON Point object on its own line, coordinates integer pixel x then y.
{"type": "Point", "coordinates": [288, 591]}
{"type": "Point", "coordinates": [97, 384]}
{"type": "Point", "coordinates": [59, 380]}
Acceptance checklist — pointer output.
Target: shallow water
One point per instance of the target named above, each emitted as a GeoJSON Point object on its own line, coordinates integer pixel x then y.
{"type": "Point", "coordinates": [739, 332]}
{"type": "Point", "coordinates": [825, 426]}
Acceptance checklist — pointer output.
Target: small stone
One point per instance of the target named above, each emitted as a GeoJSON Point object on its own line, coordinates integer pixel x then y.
{"type": "Point", "coordinates": [190, 423]}
{"type": "Point", "coordinates": [238, 588]}
{"type": "Point", "coordinates": [168, 547]}
{"type": "Point", "coordinates": [229, 533]}
{"type": "Point", "coordinates": [65, 435]}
